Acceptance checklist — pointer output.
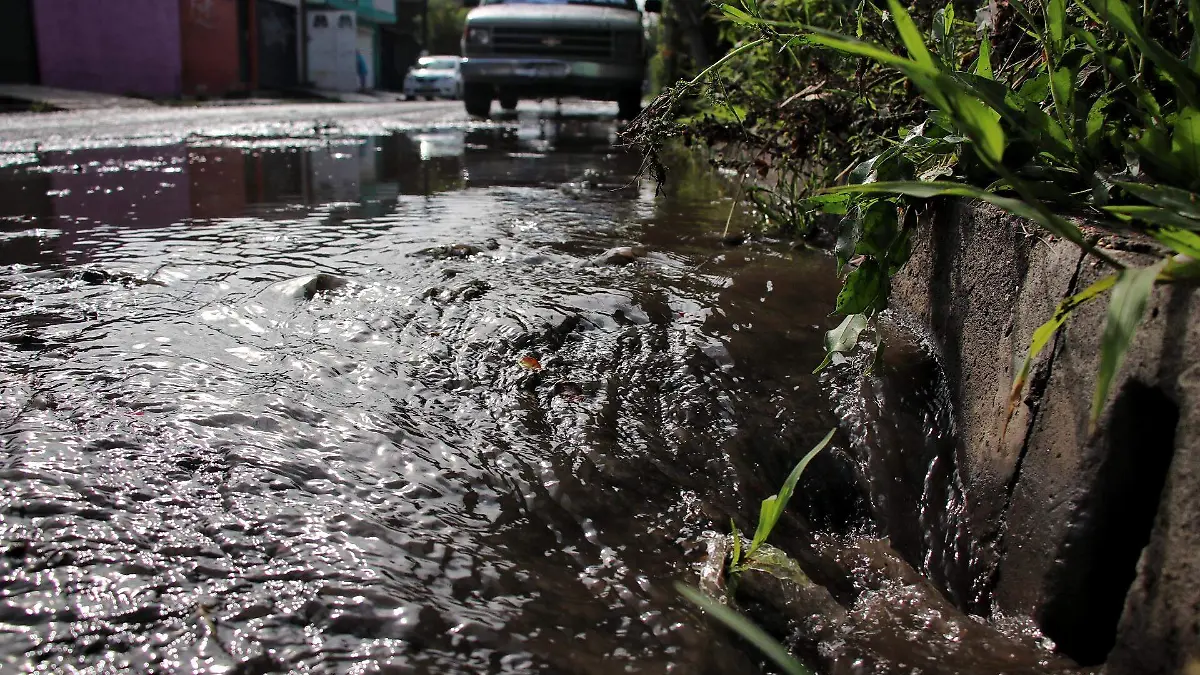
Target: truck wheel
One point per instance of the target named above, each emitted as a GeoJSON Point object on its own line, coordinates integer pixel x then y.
{"type": "Point", "coordinates": [508, 101]}
{"type": "Point", "coordinates": [477, 99]}
{"type": "Point", "coordinates": [629, 103]}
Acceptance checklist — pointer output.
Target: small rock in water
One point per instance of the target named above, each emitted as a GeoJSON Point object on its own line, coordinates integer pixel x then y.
{"type": "Point", "coordinates": [94, 276]}
{"type": "Point", "coordinates": [621, 255]}
{"type": "Point", "coordinates": [734, 239]}
{"type": "Point", "coordinates": [451, 251]}
{"type": "Point", "coordinates": [571, 391]}
{"type": "Point", "coordinates": [307, 287]}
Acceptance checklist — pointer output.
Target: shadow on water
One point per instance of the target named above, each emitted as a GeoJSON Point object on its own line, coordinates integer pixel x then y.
{"type": "Point", "coordinates": [206, 467]}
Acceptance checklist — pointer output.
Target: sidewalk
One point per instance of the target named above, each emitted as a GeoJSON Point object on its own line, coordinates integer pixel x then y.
{"type": "Point", "coordinates": [68, 99]}
{"type": "Point", "coordinates": [35, 97]}
{"type": "Point", "coordinates": [372, 96]}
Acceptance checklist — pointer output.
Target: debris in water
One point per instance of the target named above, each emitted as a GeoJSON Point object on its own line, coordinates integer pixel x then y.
{"type": "Point", "coordinates": [530, 363]}
{"type": "Point", "coordinates": [570, 391]}
{"type": "Point", "coordinates": [308, 287]}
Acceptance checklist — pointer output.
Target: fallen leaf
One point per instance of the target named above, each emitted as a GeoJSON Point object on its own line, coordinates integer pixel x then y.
{"type": "Point", "coordinates": [529, 363]}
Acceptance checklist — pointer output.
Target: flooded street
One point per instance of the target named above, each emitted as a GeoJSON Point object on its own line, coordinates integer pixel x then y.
{"type": "Point", "coordinates": [422, 397]}
{"type": "Point", "coordinates": [209, 467]}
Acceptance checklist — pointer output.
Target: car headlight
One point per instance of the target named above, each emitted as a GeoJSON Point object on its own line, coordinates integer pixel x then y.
{"type": "Point", "coordinates": [481, 37]}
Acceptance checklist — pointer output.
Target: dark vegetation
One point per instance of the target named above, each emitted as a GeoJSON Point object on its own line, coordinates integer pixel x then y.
{"type": "Point", "coordinates": [444, 32]}
{"type": "Point", "coordinates": [856, 117]}
{"type": "Point", "coordinates": [861, 113]}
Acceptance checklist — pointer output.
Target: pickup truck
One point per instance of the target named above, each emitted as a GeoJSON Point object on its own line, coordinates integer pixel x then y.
{"type": "Point", "coordinates": [514, 49]}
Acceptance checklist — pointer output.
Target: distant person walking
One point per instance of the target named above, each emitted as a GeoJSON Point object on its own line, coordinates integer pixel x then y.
{"type": "Point", "coordinates": [361, 66]}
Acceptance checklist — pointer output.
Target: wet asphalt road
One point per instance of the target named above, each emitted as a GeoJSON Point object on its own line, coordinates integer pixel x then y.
{"type": "Point", "coordinates": [208, 466]}
{"type": "Point", "coordinates": [30, 132]}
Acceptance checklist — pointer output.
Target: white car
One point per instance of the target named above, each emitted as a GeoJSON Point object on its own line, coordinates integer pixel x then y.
{"type": "Point", "coordinates": [434, 76]}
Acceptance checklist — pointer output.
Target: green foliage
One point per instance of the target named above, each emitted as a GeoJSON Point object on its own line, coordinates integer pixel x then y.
{"type": "Point", "coordinates": [772, 507]}
{"type": "Point", "coordinates": [1085, 109]}
{"type": "Point", "coordinates": [1126, 306]}
{"type": "Point", "coordinates": [843, 338]}
{"type": "Point", "coordinates": [446, 19]}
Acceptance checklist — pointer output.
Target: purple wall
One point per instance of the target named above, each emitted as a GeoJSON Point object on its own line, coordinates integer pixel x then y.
{"type": "Point", "coordinates": [111, 46]}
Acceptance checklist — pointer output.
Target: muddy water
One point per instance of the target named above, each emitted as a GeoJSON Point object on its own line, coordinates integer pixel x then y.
{"type": "Point", "coordinates": [395, 404]}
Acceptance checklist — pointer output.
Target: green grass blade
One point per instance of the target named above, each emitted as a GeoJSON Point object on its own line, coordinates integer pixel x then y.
{"type": "Point", "coordinates": [983, 65]}
{"type": "Point", "coordinates": [1180, 201]}
{"type": "Point", "coordinates": [1094, 126]}
{"type": "Point", "coordinates": [1056, 25]}
{"type": "Point", "coordinates": [982, 125]}
{"type": "Point", "coordinates": [1062, 89]}
{"type": "Point", "coordinates": [1180, 241]}
{"type": "Point", "coordinates": [1041, 338]}
{"type": "Point", "coordinates": [743, 627]}
{"type": "Point", "coordinates": [737, 15]}
{"type": "Point", "coordinates": [1185, 142]}
{"type": "Point", "coordinates": [926, 190]}
{"type": "Point", "coordinates": [860, 48]}
{"type": "Point", "coordinates": [1125, 309]}
{"type": "Point", "coordinates": [909, 34]}
{"type": "Point", "coordinates": [735, 558]}
{"type": "Point", "coordinates": [1154, 215]}
{"type": "Point", "coordinates": [773, 506]}
{"type": "Point", "coordinates": [768, 515]}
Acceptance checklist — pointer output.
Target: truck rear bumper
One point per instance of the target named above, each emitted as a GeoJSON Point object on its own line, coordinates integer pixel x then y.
{"type": "Point", "coordinates": [552, 77]}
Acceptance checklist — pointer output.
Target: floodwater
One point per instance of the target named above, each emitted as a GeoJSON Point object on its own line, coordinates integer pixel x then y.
{"type": "Point", "coordinates": [481, 440]}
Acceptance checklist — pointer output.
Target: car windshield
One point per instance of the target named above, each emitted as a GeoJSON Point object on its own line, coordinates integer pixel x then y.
{"type": "Point", "coordinates": [627, 4]}
{"type": "Point", "coordinates": [438, 64]}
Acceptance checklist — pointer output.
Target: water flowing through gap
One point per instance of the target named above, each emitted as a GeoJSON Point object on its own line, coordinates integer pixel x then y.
{"type": "Point", "coordinates": [461, 400]}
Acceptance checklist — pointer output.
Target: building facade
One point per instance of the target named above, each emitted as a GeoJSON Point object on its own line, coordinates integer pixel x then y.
{"type": "Point", "coordinates": [210, 48]}
{"type": "Point", "coordinates": [173, 48]}
{"type": "Point", "coordinates": [344, 38]}
{"type": "Point", "coordinates": [122, 47]}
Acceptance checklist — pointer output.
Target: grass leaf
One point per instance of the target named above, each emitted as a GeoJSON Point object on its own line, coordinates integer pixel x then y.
{"type": "Point", "coordinates": [843, 338]}
{"type": "Point", "coordinates": [773, 506]}
{"type": "Point", "coordinates": [865, 288]}
{"type": "Point", "coordinates": [1041, 338]}
{"type": "Point", "coordinates": [1056, 24]}
{"type": "Point", "coordinates": [1125, 309]}
{"type": "Point", "coordinates": [926, 190]}
{"type": "Point", "coordinates": [860, 48]}
{"type": "Point", "coordinates": [1062, 87]}
{"type": "Point", "coordinates": [735, 558]}
{"type": "Point", "coordinates": [1154, 215]}
{"type": "Point", "coordinates": [983, 65]}
{"type": "Point", "coordinates": [1185, 141]}
{"type": "Point", "coordinates": [1180, 201]}
{"type": "Point", "coordinates": [1179, 240]}
{"type": "Point", "coordinates": [982, 125]}
{"type": "Point", "coordinates": [745, 628]}
{"type": "Point", "coordinates": [1095, 122]}
{"type": "Point", "coordinates": [768, 515]}
{"type": "Point", "coordinates": [737, 15]}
